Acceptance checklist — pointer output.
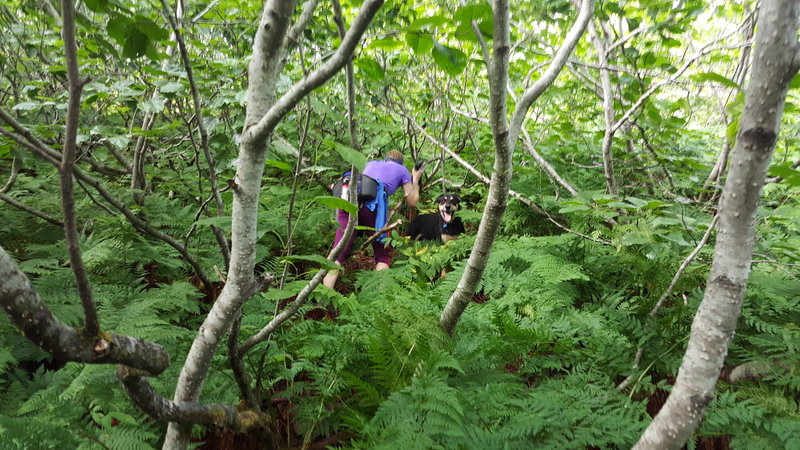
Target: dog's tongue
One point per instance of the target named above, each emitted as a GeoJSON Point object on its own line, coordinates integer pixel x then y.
{"type": "Point", "coordinates": [447, 216]}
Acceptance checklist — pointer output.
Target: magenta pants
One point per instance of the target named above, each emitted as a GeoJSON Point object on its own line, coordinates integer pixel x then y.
{"type": "Point", "coordinates": [366, 218]}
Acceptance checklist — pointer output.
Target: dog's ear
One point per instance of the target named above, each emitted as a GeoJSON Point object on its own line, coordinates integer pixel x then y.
{"type": "Point", "coordinates": [440, 199]}
{"type": "Point", "coordinates": [456, 198]}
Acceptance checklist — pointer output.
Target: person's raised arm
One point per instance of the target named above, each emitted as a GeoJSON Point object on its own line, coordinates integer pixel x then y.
{"type": "Point", "coordinates": [411, 190]}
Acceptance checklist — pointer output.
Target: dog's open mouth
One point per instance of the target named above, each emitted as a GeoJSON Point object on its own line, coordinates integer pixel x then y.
{"type": "Point", "coordinates": [447, 216]}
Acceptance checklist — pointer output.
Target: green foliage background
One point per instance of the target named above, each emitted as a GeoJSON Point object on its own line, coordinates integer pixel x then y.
{"type": "Point", "coordinates": [558, 318]}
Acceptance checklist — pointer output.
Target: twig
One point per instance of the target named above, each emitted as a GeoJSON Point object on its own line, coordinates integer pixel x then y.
{"type": "Point", "coordinates": [651, 316]}
{"type": "Point", "coordinates": [377, 233]}
{"type": "Point", "coordinates": [198, 110]}
{"type": "Point", "coordinates": [32, 211]}
{"type": "Point", "coordinates": [11, 178]}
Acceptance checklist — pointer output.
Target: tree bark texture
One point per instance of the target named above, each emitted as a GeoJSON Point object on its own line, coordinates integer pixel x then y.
{"type": "Point", "coordinates": [29, 313]}
{"type": "Point", "coordinates": [776, 61]}
{"type": "Point", "coordinates": [505, 137]}
{"type": "Point", "coordinates": [263, 114]}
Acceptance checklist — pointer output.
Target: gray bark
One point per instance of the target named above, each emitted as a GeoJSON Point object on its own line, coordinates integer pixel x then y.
{"type": "Point", "coordinates": [29, 313]}
{"type": "Point", "coordinates": [263, 114]}
{"type": "Point", "coordinates": [776, 61]}
{"type": "Point", "coordinates": [504, 136]}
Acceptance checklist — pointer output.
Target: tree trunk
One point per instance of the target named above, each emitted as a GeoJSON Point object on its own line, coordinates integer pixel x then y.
{"type": "Point", "coordinates": [264, 112]}
{"type": "Point", "coordinates": [505, 136]}
{"type": "Point", "coordinates": [776, 61]}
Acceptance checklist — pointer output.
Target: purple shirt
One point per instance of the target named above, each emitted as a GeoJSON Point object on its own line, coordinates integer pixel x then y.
{"type": "Point", "coordinates": [392, 174]}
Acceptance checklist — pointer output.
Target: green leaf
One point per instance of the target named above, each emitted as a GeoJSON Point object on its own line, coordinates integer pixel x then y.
{"type": "Point", "coordinates": [785, 171]}
{"type": "Point", "coordinates": [221, 222]}
{"type": "Point", "coordinates": [96, 5]}
{"type": "Point", "coordinates": [385, 44]}
{"type": "Point", "coordinates": [715, 77]}
{"type": "Point", "coordinates": [426, 23]}
{"type": "Point", "coordinates": [665, 221]}
{"type": "Point", "coordinates": [419, 42]}
{"type": "Point", "coordinates": [452, 60]}
{"type": "Point", "coordinates": [26, 106]}
{"type": "Point", "coordinates": [135, 44]}
{"type": "Point", "coordinates": [337, 203]}
{"type": "Point", "coordinates": [323, 262]}
{"type": "Point", "coordinates": [350, 155]}
{"type": "Point", "coordinates": [171, 87]}
{"type": "Point", "coordinates": [732, 131]}
{"type": "Point", "coordinates": [150, 29]}
{"type": "Point", "coordinates": [117, 28]}
{"type": "Point", "coordinates": [279, 165]}
{"type": "Point", "coordinates": [289, 290]}
{"type": "Point", "coordinates": [371, 68]}
{"type": "Point", "coordinates": [574, 207]}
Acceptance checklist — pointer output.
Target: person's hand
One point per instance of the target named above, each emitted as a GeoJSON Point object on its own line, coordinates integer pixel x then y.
{"type": "Point", "coordinates": [416, 173]}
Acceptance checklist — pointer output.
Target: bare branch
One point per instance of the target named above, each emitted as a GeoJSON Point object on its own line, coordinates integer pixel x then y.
{"type": "Point", "coordinates": [23, 305]}
{"type": "Point", "coordinates": [91, 321]}
{"type": "Point", "coordinates": [32, 211]}
{"type": "Point", "coordinates": [186, 413]}
{"type": "Point", "coordinates": [198, 110]}
{"type": "Point", "coordinates": [260, 131]}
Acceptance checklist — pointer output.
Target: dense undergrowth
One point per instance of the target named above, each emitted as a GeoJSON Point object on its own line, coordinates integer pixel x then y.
{"type": "Point", "coordinates": [535, 361]}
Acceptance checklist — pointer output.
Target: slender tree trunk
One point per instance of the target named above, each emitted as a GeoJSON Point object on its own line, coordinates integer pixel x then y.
{"type": "Point", "coordinates": [608, 110]}
{"type": "Point", "coordinates": [777, 59]}
{"type": "Point", "coordinates": [264, 112]}
{"type": "Point", "coordinates": [505, 135]}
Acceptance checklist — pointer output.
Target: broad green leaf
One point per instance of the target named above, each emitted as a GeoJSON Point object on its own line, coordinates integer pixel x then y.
{"type": "Point", "coordinates": [171, 87]}
{"type": "Point", "coordinates": [426, 23]}
{"type": "Point", "coordinates": [574, 208]}
{"type": "Point", "coordinates": [665, 221]}
{"type": "Point", "coordinates": [221, 222]}
{"type": "Point", "coordinates": [26, 106]}
{"type": "Point", "coordinates": [715, 77]}
{"type": "Point", "coordinates": [419, 42]}
{"type": "Point", "coordinates": [785, 171]}
{"type": "Point", "coordinates": [117, 28]}
{"type": "Point", "coordinates": [350, 155]}
{"type": "Point", "coordinates": [385, 44]}
{"type": "Point", "coordinates": [452, 60]}
{"type": "Point", "coordinates": [323, 262]}
{"type": "Point", "coordinates": [337, 203]}
{"type": "Point", "coordinates": [150, 29]}
{"type": "Point", "coordinates": [371, 68]}
{"type": "Point", "coordinates": [279, 165]}
{"type": "Point", "coordinates": [634, 239]}
{"type": "Point", "coordinates": [289, 290]}
{"type": "Point", "coordinates": [96, 5]}
{"type": "Point", "coordinates": [732, 131]}
{"type": "Point", "coordinates": [135, 44]}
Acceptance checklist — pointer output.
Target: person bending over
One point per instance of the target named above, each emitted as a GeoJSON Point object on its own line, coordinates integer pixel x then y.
{"type": "Point", "coordinates": [391, 174]}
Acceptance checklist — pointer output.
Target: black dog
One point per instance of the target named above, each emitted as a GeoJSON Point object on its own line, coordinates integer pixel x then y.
{"type": "Point", "coordinates": [442, 226]}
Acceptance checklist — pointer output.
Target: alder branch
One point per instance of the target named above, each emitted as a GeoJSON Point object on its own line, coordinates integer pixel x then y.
{"type": "Point", "coordinates": [261, 130]}
{"type": "Point", "coordinates": [688, 260]}
{"type": "Point", "coordinates": [75, 87]}
{"type": "Point", "coordinates": [198, 114]}
{"type": "Point", "coordinates": [549, 76]}
{"type": "Point", "coordinates": [12, 178]}
{"type": "Point", "coordinates": [40, 148]}
{"type": "Point", "coordinates": [377, 233]}
{"type": "Point", "coordinates": [292, 38]}
{"type": "Point", "coordinates": [186, 413]}
{"type": "Point", "coordinates": [298, 302]}
{"type": "Point", "coordinates": [31, 211]}
{"type": "Point", "coordinates": [30, 314]}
